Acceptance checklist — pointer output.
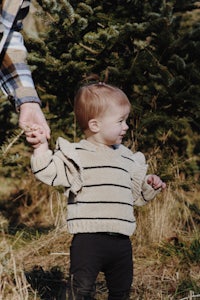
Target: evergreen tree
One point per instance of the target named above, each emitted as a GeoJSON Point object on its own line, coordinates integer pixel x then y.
{"type": "Point", "coordinates": [147, 48]}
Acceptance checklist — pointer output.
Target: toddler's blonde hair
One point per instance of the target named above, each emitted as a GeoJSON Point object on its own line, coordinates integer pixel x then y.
{"type": "Point", "coordinates": [92, 100]}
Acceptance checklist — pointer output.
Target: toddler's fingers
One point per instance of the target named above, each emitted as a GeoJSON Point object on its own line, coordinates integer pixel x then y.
{"type": "Point", "coordinates": [160, 184]}
{"type": "Point", "coordinates": [150, 179]}
{"type": "Point", "coordinates": [33, 140]}
{"type": "Point", "coordinates": [28, 134]}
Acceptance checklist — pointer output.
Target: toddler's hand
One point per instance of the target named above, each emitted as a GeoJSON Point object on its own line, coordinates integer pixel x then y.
{"type": "Point", "coordinates": [156, 182]}
{"type": "Point", "coordinates": [36, 135]}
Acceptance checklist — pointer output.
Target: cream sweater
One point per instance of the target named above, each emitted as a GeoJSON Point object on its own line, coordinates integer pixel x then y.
{"type": "Point", "coordinates": [101, 184]}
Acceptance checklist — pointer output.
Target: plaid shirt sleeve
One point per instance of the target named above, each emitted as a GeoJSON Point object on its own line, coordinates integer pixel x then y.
{"type": "Point", "coordinates": [15, 76]}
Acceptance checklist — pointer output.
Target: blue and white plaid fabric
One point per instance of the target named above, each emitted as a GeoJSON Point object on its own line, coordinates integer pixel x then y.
{"type": "Point", "coordinates": [15, 76]}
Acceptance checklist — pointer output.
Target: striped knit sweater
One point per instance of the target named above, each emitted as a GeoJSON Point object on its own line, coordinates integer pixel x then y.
{"type": "Point", "coordinates": [101, 184]}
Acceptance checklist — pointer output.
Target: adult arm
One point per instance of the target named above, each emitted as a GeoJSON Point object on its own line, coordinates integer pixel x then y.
{"type": "Point", "coordinates": [15, 76]}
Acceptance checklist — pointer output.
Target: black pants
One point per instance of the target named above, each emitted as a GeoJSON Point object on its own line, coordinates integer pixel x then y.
{"type": "Point", "coordinates": [92, 253]}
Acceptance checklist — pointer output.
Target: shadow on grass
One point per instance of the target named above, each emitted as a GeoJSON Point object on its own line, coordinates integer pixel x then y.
{"type": "Point", "coordinates": [49, 285]}
{"type": "Point", "coordinates": [21, 213]}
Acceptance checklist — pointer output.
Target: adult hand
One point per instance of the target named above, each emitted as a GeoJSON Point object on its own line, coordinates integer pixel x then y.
{"type": "Point", "coordinates": [31, 113]}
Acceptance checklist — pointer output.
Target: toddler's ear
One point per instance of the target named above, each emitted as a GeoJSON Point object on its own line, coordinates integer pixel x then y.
{"type": "Point", "coordinates": [93, 125]}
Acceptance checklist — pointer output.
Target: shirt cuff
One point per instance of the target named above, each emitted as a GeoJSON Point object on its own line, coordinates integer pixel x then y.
{"type": "Point", "coordinates": [24, 95]}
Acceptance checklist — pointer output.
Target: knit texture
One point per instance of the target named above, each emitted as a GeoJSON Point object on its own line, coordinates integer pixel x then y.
{"type": "Point", "coordinates": [102, 184]}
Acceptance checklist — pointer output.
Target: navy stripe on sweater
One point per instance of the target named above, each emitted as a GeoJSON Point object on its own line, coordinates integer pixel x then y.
{"type": "Point", "coordinates": [105, 167]}
{"type": "Point", "coordinates": [100, 202]}
{"type": "Point", "coordinates": [118, 219]}
{"type": "Point", "coordinates": [40, 170]}
{"type": "Point", "coordinates": [128, 158]}
{"type": "Point", "coordinates": [106, 184]}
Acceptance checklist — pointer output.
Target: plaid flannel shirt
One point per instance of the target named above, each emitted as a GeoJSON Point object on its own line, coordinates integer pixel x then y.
{"type": "Point", "coordinates": [15, 76]}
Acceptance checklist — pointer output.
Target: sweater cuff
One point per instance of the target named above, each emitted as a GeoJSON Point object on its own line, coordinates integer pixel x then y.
{"type": "Point", "coordinates": [148, 192]}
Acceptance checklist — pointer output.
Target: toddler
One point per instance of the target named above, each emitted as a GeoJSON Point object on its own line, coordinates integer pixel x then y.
{"type": "Point", "coordinates": [103, 181]}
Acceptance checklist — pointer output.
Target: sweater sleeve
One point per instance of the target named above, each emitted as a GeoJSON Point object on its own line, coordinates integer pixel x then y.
{"type": "Point", "coordinates": [147, 192]}
{"type": "Point", "coordinates": [58, 168]}
{"type": "Point", "coordinates": [48, 169]}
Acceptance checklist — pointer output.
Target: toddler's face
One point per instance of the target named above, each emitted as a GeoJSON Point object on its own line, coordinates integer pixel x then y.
{"type": "Point", "coordinates": [113, 124]}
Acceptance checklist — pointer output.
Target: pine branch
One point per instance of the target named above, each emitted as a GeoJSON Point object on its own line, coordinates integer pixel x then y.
{"type": "Point", "coordinates": [10, 142]}
{"type": "Point", "coordinates": [89, 49]}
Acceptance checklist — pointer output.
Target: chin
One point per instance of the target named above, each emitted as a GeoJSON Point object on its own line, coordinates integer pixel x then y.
{"type": "Point", "coordinates": [116, 142]}
{"type": "Point", "coordinates": [119, 141]}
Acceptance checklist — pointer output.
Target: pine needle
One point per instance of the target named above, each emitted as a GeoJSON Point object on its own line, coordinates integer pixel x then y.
{"type": "Point", "coordinates": [9, 146]}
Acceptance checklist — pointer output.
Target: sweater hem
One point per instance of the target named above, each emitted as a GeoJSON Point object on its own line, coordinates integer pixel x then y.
{"type": "Point", "coordinates": [94, 226]}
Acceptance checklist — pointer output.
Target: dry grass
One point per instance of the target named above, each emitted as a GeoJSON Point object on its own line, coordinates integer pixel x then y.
{"type": "Point", "coordinates": [40, 248]}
